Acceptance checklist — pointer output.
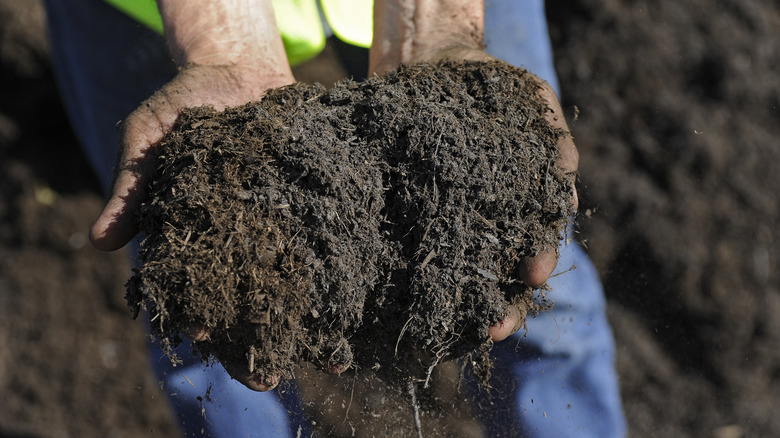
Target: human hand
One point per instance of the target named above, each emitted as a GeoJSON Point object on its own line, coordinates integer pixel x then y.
{"type": "Point", "coordinates": [229, 53]}
{"type": "Point", "coordinates": [217, 85]}
{"type": "Point", "coordinates": [195, 85]}
{"type": "Point", "coordinates": [535, 271]}
{"type": "Point", "coordinates": [411, 31]}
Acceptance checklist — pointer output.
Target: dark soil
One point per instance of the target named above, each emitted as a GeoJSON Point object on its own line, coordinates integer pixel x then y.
{"type": "Point", "coordinates": [679, 107]}
{"type": "Point", "coordinates": [679, 120]}
{"type": "Point", "coordinates": [345, 225]}
{"type": "Point", "coordinates": [71, 364]}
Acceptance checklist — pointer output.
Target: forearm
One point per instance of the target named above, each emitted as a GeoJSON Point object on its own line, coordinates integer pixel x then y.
{"type": "Point", "coordinates": [407, 31]}
{"type": "Point", "coordinates": [223, 32]}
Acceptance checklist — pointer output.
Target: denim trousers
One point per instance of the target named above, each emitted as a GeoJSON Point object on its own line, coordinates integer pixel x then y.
{"type": "Point", "coordinates": [557, 379]}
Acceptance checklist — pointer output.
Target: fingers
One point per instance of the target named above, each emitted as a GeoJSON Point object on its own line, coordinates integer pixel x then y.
{"type": "Point", "coordinates": [339, 359]}
{"type": "Point", "coordinates": [336, 368]}
{"type": "Point", "coordinates": [239, 370]}
{"type": "Point", "coordinates": [219, 86]}
{"type": "Point", "coordinates": [260, 383]}
{"type": "Point", "coordinates": [142, 129]}
{"type": "Point", "coordinates": [570, 157]}
{"type": "Point", "coordinates": [252, 380]}
{"type": "Point", "coordinates": [502, 329]}
{"type": "Point", "coordinates": [115, 226]}
{"type": "Point", "coordinates": [535, 271]}
{"type": "Point", "coordinates": [506, 327]}
{"type": "Point", "coordinates": [257, 381]}
{"type": "Point", "coordinates": [197, 332]}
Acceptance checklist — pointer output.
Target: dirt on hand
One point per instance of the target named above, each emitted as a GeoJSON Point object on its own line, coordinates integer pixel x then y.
{"type": "Point", "coordinates": [379, 224]}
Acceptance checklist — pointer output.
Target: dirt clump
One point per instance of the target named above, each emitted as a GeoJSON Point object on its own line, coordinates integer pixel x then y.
{"type": "Point", "coordinates": [374, 220]}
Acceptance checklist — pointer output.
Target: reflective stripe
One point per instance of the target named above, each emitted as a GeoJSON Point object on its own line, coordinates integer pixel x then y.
{"type": "Point", "coordinates": [143, 11]}
{"type": "Point", "coordinates": [351, 20]}
{"type": "Point", "coordinates": [298, 22]}
{"type": "Point", "coordinates": [301, 28]}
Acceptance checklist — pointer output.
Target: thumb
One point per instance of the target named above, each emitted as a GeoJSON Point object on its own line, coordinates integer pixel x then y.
{"type": "Point", "coordinates": [116, 225]}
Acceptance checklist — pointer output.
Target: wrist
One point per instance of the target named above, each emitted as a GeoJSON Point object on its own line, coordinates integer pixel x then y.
{"type": "Point", "coordinates": [409, 31]}
{"type": "Point", "coordinates": [222, 86]}
{"type": "Point", "coordinates": [222, 32]}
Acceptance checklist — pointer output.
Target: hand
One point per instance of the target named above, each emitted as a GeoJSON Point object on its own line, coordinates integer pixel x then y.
{"type": "Point", "coordinates": [410, 31]}
{"type": "Point", "coordinates": [229, 53]}
{"type": "Point", "coordinates": [535, 271]}
{"type": "Point", "coordinates": [195, 85]}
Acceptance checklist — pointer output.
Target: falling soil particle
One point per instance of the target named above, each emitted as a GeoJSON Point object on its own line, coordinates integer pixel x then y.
{"type": "Point", "coordinates": [380, 223]}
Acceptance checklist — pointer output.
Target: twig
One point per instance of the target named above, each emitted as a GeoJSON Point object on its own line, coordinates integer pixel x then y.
{"type": "Point", "coordinates": [351, 395]}
{"type": "Point", "coordinates": [417, 422]}
{"type": "Point", "coordinates": [427, 259]}
{"type": "Point", "coordinates": [401, 335]}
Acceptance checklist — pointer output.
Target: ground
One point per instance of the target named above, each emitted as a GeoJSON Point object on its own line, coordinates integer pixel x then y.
{"type": "Point", "coordinates": [677, 110]}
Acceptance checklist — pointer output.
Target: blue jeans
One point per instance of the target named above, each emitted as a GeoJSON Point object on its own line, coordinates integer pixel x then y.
{"type": "Point", "coordinates": [557, 380]}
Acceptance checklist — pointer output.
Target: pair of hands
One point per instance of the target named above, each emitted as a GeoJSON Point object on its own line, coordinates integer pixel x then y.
{"type": "Point", "coordinates": [230, 53]}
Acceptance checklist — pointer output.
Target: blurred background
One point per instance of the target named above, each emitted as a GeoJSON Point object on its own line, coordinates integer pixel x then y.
{"type": "Point", "coordinates": [675, 108]}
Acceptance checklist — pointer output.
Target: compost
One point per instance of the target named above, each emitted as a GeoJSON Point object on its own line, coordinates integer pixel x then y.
{"type": "Point", "coordinates": [379, 223]}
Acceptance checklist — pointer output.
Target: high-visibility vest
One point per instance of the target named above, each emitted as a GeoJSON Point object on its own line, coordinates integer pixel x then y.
{"type": "Point", "coordinates": [298, 21]}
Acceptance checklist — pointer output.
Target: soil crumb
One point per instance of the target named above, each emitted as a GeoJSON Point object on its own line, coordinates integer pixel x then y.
{"type": "Point", "coordinates": [379, 224]}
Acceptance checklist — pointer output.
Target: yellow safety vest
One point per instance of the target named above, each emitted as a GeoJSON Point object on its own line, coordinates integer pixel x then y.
{"type": "Point", "coordinates": [298, 21]}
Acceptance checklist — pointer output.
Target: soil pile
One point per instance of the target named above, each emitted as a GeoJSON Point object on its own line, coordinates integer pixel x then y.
{"type": "Point", "coordinates": [383, 216]}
